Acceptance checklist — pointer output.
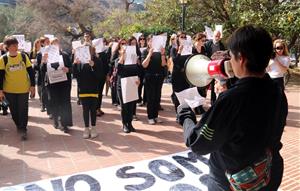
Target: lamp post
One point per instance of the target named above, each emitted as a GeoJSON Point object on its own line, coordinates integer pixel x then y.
{"type": "Point", "coordinates": [183, 3]}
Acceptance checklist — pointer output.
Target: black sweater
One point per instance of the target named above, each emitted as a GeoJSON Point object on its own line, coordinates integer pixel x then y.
{"type": "Point", "coordinates": [88, 78]}
{"type": "Point", "coordinates": [243, 122]}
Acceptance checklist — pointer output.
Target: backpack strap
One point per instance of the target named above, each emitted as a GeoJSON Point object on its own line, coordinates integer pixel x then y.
{"type": "Point", "coordinates": [23, 58]}
{"type": "Point", "coordinates": [5, 58]}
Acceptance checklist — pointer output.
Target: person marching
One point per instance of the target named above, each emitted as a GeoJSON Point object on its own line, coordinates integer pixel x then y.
{"type": "Point", "coordinates": [153, 62]}
{"type": "Point", "coordinates": [60, 92]}
{"type": "Point", "coordinates": [89, 76]}
{"type": "Point", "coordinates": [123, 71]}
{"type": "Point", "coordinates": [104, 56]}
{"type": "Point", "coordinates": [16, 81]}
{"type": "Point", "coordinates": [242, 130]}
{"type": "Point", "coordinates": [279, 64]}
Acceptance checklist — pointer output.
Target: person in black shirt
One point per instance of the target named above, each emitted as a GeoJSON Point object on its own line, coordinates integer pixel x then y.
{"type": "Point", "coordinates": [104, 56]}
{"type": "Point", "coordinates": [153, 63]}
{"type": "Point", "coordinates": [60, 92]}
{"type": "Point", "coordinates": [211, 47]}
{"type": "Point", "coordinates": [179, 82]}
{"type": "Point", "coordinates": [89, 76]}
{"type": "Point", "coordinates": [123, 71]}
{"type": "Point", "coordinates": [199, 48]}
{"type": "Point", "coordinates": [143, 46]}
{"type": "Point", "coordinates": [35, 57]}
{"type": "Point", "coordinates": [3, 106]}
{"type": "Point", "coordinates": [243, 128]}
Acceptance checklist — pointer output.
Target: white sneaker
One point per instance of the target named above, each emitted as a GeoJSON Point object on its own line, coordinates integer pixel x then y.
{"type": "Point", "coordinates": [151, 121]}
{"type": "Point", "coordinates": [158, 120]}
{"type": "Point", "coordinates": [94, 132]}
{"type": "Point", "coordinates": [86, 133]}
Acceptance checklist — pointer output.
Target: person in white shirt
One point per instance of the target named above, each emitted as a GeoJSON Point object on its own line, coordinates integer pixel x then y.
{"type": "Point", "coordinates": [279, 65]}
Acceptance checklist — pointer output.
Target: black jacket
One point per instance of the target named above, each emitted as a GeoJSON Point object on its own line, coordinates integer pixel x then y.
{"type": "Point", "coordinates": [208, 47]}
{"type": "Point", "coordinates": [179, 82]}
{"type": "Point", "coordinates": [44, 75]}
{"type": "Point", "coordinates": [88, 77]}
{"type": "Point", "coordinates": [243, 122]}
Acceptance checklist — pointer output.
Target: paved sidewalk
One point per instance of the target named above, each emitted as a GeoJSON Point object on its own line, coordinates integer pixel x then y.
{"type": "Point", "coordinates": [49, 153]}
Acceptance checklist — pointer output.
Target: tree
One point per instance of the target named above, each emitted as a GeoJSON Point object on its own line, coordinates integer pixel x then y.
{"type": "Point", "coordinates": [65, 16]}
{"type": "Point", "coordinates": [127, 4]}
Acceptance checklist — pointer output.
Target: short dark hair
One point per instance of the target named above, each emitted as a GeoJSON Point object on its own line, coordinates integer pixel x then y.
{"type": "Point", "coordinates": [8, 41]}
{"type": "Point", "coordinates": [255, 44]}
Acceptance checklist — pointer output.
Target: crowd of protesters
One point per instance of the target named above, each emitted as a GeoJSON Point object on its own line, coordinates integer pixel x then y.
{"type": "Point", "coordinates": [238, 143]}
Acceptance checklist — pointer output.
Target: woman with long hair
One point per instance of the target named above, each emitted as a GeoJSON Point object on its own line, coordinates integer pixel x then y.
{"type": "Point", "coordinates": [280, 62]}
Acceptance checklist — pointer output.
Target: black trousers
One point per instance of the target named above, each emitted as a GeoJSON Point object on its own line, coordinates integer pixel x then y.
{"type": "Point", "coordinates": [100, 87]}
{"type": "Point", "coordinates": [114, 94]}
{"type": "Point", "coordinates": [279, 82]}
{"type": "Point", "coordinates": [45, 94]}
{"type": "Point", "coordinates": [127, 109]}
{"type": "Point", "coordinates": [89, 108]}
{"type": "Point", "coordinates": [60, 101]}
{"type": "Point", "coordinates": [18, 106]}
{"type": "Point", "coordinates": [153, 84]}
{"type": "Point", "coordinates": [140, 88]}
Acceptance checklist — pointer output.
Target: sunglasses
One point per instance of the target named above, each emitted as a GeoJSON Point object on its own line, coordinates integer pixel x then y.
{"type": "Point", "coordinates": [123, 43]}
{"type": "Point", "coordinates": [183, 37]}
{"type": "Point", "coordinates": [142, 38]}
{"type": "Point", "coordinates": [279, 48]}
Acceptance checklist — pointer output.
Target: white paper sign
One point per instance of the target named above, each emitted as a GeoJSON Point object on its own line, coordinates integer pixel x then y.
{"type": "Point", "coordinates": [182, 171]}
{"type": "Point", "coordinates": [83, 54]}
{"type": "Point", "coordinates": [114, 46]}
{"type": "Point", "coordinates": [137, 35]}
{"type": "Point", "coordinates": [159, 42]}
{"type": "Point", "coordinates": [76, 44]}
{"type": "Point", "coordinates": [131, 56]}
{"type": "Point", "coordinates": [55, 72]}
{"type": "Point", "coordinates": [21, 41]}
{"type": "Point", "coordinates": [129, 89]}
{"type": "Point", "coordinates": [98, 44]}
{"type": "Point", "coordinates": [209, 33]}
{"type": "Point", "coordinates": [191, 97]}
{"type": "Point", "coordinates": [53, 53]}
{"type": "Point", "coordinates": [219, 28]}
{"type": "Point", "coordinates": [28, 46]}
{"type": "Point", "coordinates": [187, 47]}
{"type": "Point", "coordinates": [50, 36]}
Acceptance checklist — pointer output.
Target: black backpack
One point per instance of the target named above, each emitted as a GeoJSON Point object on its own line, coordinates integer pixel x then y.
{"type": "Point", "coordinates": [5, 58]}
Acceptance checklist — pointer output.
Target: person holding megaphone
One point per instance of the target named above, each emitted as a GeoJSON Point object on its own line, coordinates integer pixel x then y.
{"type": "Point", "coordinates": [243, 128]}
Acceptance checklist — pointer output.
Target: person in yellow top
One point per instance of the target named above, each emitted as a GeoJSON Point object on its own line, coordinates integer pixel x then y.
{"type": "Point", "coordinates": [16, 81]}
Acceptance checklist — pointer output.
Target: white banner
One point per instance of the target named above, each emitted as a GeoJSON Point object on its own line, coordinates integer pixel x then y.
{"type": "Point", "coordinates": [183, 171]}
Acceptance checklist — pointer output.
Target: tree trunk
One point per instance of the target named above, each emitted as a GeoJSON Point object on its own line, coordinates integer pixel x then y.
{"type": "Point", "coordinates": [127, 4]}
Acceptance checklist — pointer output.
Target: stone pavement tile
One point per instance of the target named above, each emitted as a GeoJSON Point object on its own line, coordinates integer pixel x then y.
{"type": "Point", "coordinates": [49, 152]}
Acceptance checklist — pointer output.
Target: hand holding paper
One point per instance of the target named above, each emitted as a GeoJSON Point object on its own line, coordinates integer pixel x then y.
{"type": "Point", "coordinates": [191, 97]}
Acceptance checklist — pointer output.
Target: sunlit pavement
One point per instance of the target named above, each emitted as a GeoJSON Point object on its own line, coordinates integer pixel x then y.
{"type": "Point", "coordinates": [50, 153]}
